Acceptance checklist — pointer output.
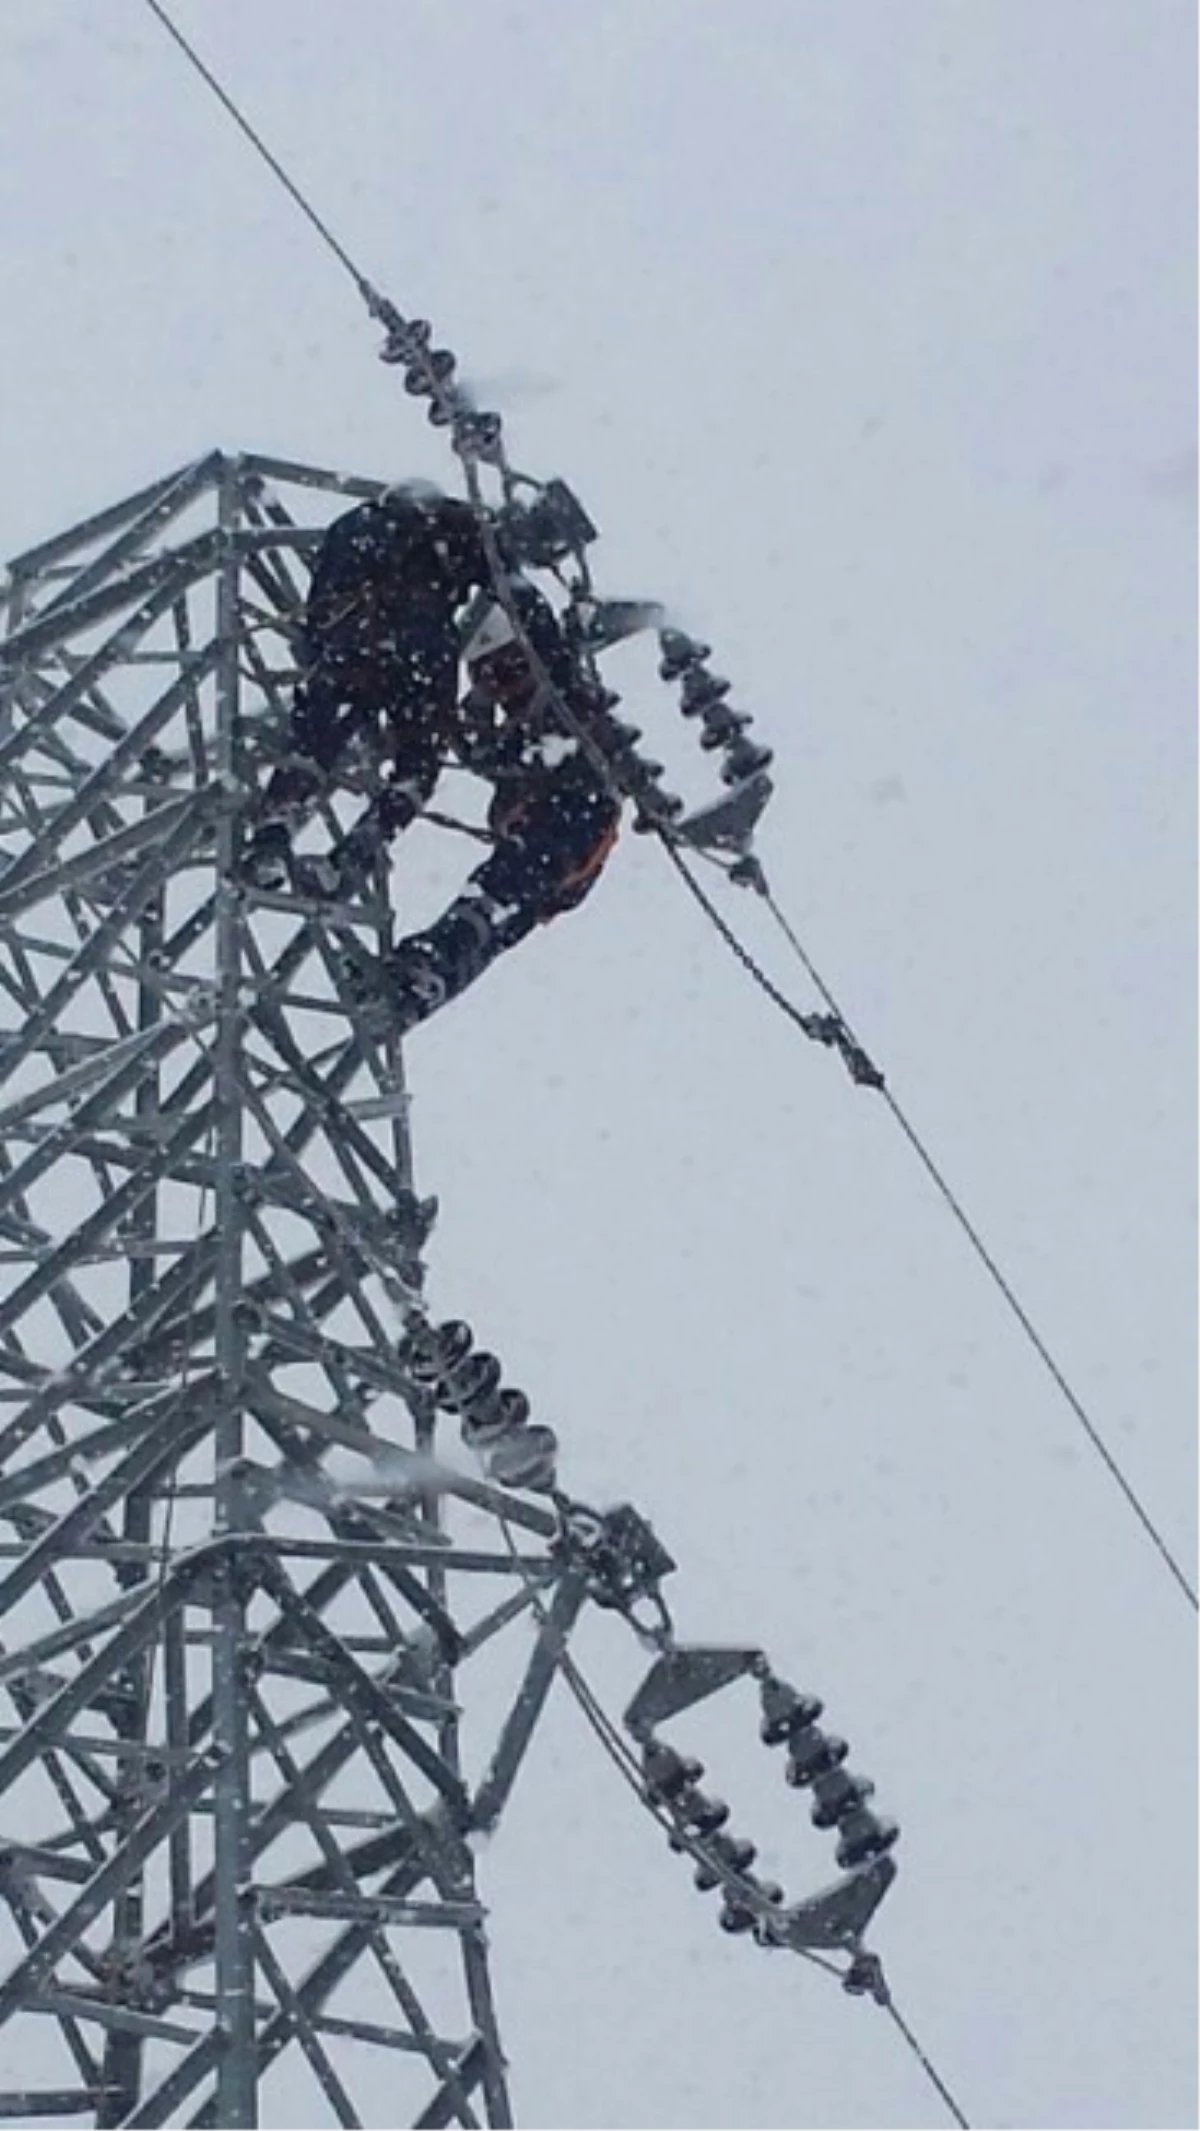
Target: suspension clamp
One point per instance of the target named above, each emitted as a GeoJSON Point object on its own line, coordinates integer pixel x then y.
{"type": "Point", "coordinates": [623, 1559]}
{"type": "Point", "coordinates": [831, 1029]}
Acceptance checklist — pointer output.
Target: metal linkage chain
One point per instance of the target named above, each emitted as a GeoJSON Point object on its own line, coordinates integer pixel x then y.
{"type": "Point", "coordinates": [545, 534]}
{"type": "Point", "coordinates": [465, 1380]}
{"type": "Point", "coordinates": [835, 1918]}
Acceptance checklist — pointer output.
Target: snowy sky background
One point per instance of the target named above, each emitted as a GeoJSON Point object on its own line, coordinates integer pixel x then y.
{"type": "Point", "coordinates": [866, 333]}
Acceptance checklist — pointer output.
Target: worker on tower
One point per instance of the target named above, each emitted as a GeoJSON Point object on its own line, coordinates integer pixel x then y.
{"type": "Point", "coordinates": [379, 656]}
{"type": "Point", "coordinates": [539, 730]}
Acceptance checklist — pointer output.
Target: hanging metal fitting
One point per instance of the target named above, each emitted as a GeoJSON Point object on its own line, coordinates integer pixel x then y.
{"type": "Point", "coordinates": [542, 533]}
{"type": "Point", "coordinates": [624, 1560]}
{"type": "Point", "coordinates": [831, 1029]}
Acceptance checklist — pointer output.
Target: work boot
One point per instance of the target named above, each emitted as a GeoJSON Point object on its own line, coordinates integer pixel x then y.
{"type": "Point", "coordinates": [416, 987]}
{"type": "Point", "coordinates": [391, 993]}
{"type": "Point", "coordinates": [394, 992]}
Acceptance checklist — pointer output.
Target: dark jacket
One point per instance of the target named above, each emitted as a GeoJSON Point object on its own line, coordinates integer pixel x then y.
{"type": "Point", "coordinates": [398, 562]}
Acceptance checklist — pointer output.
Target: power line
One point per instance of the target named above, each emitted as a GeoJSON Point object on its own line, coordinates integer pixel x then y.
{"type": "Point", "coordinates": [1003, 1285]}
{"type": "Point", "coordinates": [259, 145]}
{"type": "Point", "coordinates": [925, 2061]}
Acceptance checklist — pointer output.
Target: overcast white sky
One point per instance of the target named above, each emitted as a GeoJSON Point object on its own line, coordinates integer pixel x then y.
{"type": "Point", "coordinates": [866, 333]}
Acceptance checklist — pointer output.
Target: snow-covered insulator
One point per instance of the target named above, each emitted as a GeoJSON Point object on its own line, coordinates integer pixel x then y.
{"type": "Point", "coordinates": [744, 759]}
{"type": "Point", "coordinates": [813, 1753]}
{"type": "Point", "coordinates": [740, 1914]}
{"type": "Point", "coordinates": [700, 690]}
{"type": "Point", "coordinates": [640, 778]}
{"type": "Point", "coordinates": [702, 1815]}
{"type": "Point", "coordinates": [697, 1826]}
{"type": "Point", "coordinates": [430, 1353]}
{"type": "Point", "coordinates": [730, 1853]}
{"type": "Point", "coordinates": [524, 1457]}
{"type": "Point", "coordinates": [667, 1773]}
{"type": "Point", "coordinates": [678, 652]}
{"type": "Point", "coordinates": [785, 1710]}
{"type": "Point", "coordinates": [836, 1793]}
{"type": "Point", "coordinates": [507, 1411]}
{"type": "Point", "coordinates": [465, 1380]}
{"type": "Point", "coordinates": [624, 736]}
{"type": "Point", "coordinates": [722, 724]}
{"type": "Point", "coordinates": [406, 339]}
{"type": "Point", "coordinates": [864, 1835]}
{"type": "Point", "coordinates": [432, 368]}
{"type": "Point", "coordinates": [473, 1383]}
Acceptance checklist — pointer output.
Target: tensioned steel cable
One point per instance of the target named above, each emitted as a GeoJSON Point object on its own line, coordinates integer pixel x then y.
{"type": "Point", "coordinates": [1002, 1283]}
{"type": "Point", "coordinates": [257, 142]}
{"type": "Point", "coordinates": [1004, 1286]}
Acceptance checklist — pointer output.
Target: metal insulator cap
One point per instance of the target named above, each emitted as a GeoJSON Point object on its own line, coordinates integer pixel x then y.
{"type": "Point", "coordinates": [836, 1794]}
{"type": "Point", "coordinates": [474, 1382]}
{"type": "Point", "coordinates": [785, 1710]}
{"type": "Point", "coordinates": [678, 652]}
{"type": "Point", "coordinates": [524, 1457]}
{"type": "Point", "coordinates": [703, 1815]}
{"type": "Point", "coordinates": [744, 759]}
{"type": "Point", "coordinates": [665, 1772]}
{"type": "Point", "coordinates": [508, 1410]}
{"type": "Point", "coordinates": [700, 689]}
{"type": "Point", "coordinates": [812, 1753]}
{"type": "Point", "coordinates": [864, 1835]}
{"type": "Point", "coordinates": [429, 371]}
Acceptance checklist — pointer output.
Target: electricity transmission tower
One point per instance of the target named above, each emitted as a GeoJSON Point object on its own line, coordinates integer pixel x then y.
{"type": "Point", "coordinates": [241, 1596]}
{"type": "Point", "coordinates": [257, 1693]}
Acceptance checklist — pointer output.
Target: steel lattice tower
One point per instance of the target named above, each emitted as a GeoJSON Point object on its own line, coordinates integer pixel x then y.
{"type": "Point", "coordinates": [241, 1593]}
